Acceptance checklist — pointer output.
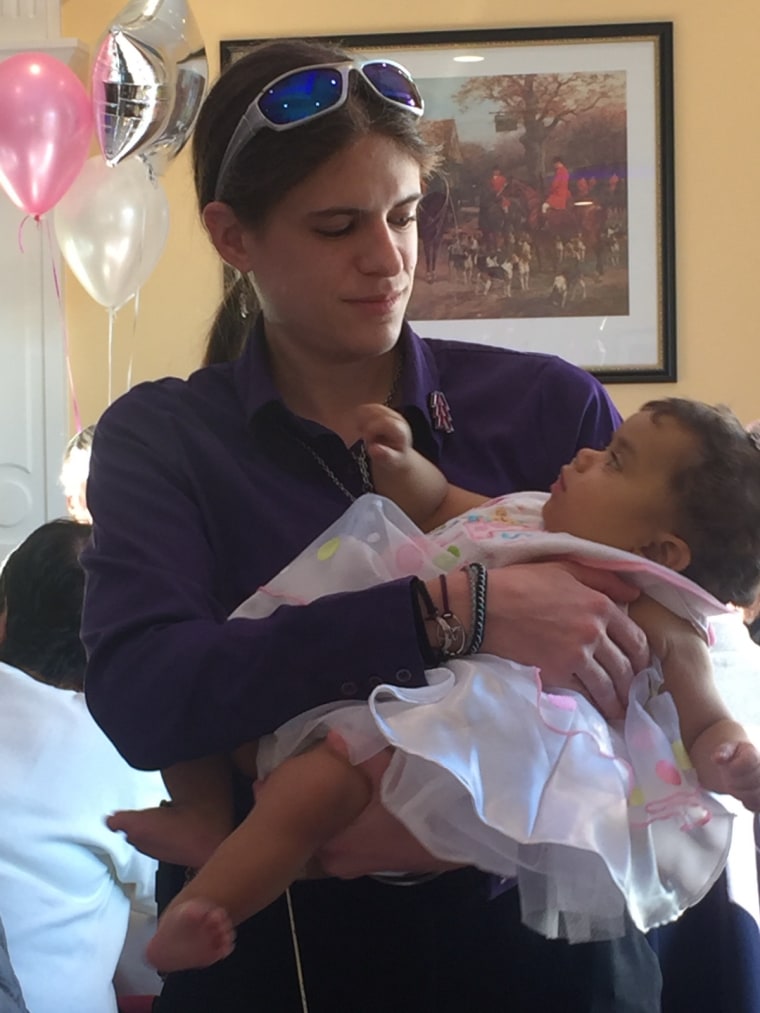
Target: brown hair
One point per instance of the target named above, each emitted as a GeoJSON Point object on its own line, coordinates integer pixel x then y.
{"type": "Point", "coordinates": [718, 496]}
{"type": "Point", "coordinates": [275, 162]}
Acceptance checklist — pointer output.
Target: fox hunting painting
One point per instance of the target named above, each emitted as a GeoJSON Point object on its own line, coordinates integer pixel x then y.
{"type": "Point", "coordinates": [548, 225]}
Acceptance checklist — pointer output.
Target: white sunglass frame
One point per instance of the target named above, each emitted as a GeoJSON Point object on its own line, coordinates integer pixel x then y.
{"type": "Point", "coordinates": [253, 120]}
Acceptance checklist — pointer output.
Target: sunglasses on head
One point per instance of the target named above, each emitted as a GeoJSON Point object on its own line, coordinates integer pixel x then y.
{"type": "Point", "coordinates": [308, 92]}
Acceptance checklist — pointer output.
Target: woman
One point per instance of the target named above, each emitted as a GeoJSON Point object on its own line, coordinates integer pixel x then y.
{"type": "Point", "coordinates": [308, 178]}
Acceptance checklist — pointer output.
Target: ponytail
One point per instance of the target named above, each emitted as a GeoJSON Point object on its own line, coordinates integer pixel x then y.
{"type": "Point", "coordinates": [232, 323]}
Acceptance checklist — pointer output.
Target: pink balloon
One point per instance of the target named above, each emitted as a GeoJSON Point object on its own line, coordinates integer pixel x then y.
{"type": "Point", "coordinates": [45, 130]}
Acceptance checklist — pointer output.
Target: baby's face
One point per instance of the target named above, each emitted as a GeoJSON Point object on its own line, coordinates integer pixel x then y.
{"type": "Point", "coordinates": [621, 496]}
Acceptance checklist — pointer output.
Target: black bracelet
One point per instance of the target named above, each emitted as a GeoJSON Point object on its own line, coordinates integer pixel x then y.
{"type": "Point", "coordinates": [452, 635]}
{"type": "Point", "coordinates": [477, 575]}
{"type": "Point", "coordinates": [421, 604]}
{"type": "Point", "coordinates": [421, 588]}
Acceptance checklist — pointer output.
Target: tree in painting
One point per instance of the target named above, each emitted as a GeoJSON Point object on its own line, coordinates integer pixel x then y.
{"type": "Point", "coordinates": [540, 104]}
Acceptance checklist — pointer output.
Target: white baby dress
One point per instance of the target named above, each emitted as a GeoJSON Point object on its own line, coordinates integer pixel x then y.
{"type": "Point", "coordinates": [590, 817]}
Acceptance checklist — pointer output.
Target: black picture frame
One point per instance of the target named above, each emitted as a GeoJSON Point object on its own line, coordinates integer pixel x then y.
{"type": "Point", "coordinates": [601, 98]}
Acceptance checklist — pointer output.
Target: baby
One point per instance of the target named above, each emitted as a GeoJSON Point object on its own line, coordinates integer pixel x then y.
{"type": "Point", "coordinates": [679, 486]}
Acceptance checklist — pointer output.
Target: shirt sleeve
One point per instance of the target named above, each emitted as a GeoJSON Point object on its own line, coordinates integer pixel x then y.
{"type": "Point", "coordinates": [574, 411]}
{"type": "Point", "coordinates": [599, 418]}
{"type": "Point", "coordinates": [168, 677]}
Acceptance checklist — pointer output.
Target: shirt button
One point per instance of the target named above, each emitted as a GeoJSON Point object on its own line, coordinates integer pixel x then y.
{"type": "Point", "coordinates": [348, 689]}
{"type": "Point", "coordinates": [373, 681]}
{"type": "Point", "coordinates": [403, 675]}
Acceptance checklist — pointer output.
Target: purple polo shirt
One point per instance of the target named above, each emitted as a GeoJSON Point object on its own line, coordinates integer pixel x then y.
{"type": "Point", "coordinates": [201, 490]}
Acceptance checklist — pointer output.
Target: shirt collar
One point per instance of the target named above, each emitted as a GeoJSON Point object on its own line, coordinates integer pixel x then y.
{"type": "Point", "coordinates": [253, 374]}
{"type": "Point", "coordinates": [420, 379]}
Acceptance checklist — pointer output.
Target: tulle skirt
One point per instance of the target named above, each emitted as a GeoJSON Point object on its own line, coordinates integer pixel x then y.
{"type": "Point", "coordinates": [489, 771]}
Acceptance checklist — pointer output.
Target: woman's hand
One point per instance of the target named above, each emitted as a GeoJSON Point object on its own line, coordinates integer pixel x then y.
{"type": "Point", "coordinates": [563, 618]}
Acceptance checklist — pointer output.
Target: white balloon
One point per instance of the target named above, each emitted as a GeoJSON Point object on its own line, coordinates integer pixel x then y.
{"type": "Point", "coordinates": [111, 227]}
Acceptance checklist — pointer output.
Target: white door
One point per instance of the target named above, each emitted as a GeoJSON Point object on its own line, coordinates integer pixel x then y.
{"type": "Point", "coordinates": [33, 401]}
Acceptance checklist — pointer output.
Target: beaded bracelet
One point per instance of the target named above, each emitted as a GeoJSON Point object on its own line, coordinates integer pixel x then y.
{"type": "Point", "coordinates": [477, 576]}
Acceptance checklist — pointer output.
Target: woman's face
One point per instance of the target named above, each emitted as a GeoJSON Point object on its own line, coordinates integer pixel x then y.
{"type": "Point", "coordinates": [333, 265]}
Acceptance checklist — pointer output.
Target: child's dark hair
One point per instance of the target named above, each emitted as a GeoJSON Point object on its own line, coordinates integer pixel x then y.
{"type": "Point", "coordinates": [718, 495]}
{"type": "Point", "coordinates": [41, 591]}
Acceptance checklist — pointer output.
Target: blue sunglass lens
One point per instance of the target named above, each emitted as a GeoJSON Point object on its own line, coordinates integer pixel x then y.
{"type": "Point", "coordinates": [392, 84]}
{"type": "Point", "coordinates": [301, 95]}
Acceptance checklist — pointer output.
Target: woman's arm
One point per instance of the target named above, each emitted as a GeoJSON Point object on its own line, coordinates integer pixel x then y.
{"type": "Point", "coordinates": [169, 678]}
{"type": "Point", "coordinates": [176, 547]}
{"type": "Point", "coordinates": [563, 618]}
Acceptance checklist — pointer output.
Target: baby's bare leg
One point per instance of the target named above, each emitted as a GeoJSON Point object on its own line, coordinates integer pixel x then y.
{"type": "Point", "coordinates": [303, 803]}
{"type": "Point", "coordinates": [197, 821]}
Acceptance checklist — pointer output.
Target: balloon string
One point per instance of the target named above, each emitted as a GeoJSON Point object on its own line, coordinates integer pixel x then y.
{"type": "Point", "coordinates": [111, 318]}
{"type": "Point", "coordinates": [66, 352]}
{"type": "Point", "coordinates": [20, 234]}
{"type": "Point", "coordinates": [134, 339]}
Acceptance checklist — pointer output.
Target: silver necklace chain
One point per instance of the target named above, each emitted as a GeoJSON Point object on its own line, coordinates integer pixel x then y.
{"type": "Point", "coordinates": [360, 457]}
{"type": "Point", "coordinates": [362, 462]}
{"type": "Point", "coordinates": [331, 474]}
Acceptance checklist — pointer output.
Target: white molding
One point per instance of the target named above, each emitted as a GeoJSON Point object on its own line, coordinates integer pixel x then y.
{"type": "Point", "coordinates": [29, 19]}
{"type": "Point", "coordinates": [72, 51]}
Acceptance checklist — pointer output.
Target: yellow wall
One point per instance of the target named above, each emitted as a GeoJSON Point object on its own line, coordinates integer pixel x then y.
{"type": "Point", "coordinates": [717, 157]}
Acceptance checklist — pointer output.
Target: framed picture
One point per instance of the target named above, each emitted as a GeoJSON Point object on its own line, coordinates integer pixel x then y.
{"type": "Point", "coordinates": [549, 224]}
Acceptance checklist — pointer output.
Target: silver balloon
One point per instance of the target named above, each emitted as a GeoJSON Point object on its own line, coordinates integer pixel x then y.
{"type": "Point", "coordinates": [148, 80]}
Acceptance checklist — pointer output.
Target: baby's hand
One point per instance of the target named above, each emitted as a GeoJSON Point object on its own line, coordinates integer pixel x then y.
{"type": "Point", "coordinates": [738, 766]}
{"type": "Point", "coordinates": [385, 432]}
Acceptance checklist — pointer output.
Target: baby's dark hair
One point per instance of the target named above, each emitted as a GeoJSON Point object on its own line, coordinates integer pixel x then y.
{"type": "Point", "coordinates": [718, 495]}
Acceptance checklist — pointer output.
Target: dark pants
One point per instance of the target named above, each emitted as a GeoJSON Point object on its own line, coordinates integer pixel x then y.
{"type": "Point", "coordinates": [438, 947]}
{"type": "Point", "coordinates": [710, 957]}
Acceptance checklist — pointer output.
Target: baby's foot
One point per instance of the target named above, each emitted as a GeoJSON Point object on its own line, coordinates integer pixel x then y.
{"type": "Point", "coordinates": [171, 833]}
{"type": "Point", "coordinates": [193, 933]}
